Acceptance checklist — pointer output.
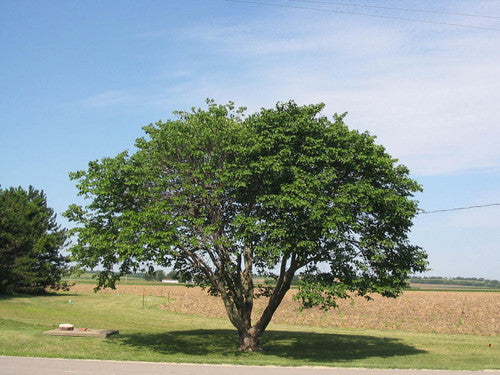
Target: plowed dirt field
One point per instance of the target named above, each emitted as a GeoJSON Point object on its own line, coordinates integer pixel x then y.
{"type": "Point", "coordinates": [419, 311]}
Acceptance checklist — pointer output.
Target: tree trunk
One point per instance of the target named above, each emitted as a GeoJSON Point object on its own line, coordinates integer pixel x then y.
{"type": "Point", "coordinates": [238, 302]}
{"type": "Point", "coordinates": [249, 341]}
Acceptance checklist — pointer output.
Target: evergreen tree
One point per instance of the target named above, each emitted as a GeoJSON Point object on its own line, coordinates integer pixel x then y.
{"type": "Point", "coordinates": [30, 240]}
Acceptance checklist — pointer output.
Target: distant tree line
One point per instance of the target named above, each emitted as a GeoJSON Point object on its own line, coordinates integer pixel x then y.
{"type": "Point", "coordinates": [463, 281]}
{"type": "Point", "coordinates": [159, 275]}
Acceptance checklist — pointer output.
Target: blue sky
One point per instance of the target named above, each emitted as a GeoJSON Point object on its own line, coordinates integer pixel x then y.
{"type": "Point", "coordinates": [80, 79]}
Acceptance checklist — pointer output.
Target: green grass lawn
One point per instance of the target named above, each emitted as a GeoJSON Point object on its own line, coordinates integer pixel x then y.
{"type": "Point", "coordinates": [151, 334]}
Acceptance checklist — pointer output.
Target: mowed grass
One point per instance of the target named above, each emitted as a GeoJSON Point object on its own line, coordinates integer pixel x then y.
{"type": "Point", "coordinates": [148, 333]}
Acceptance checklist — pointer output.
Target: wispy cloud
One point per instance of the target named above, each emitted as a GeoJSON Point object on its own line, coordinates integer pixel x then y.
{"type": "Point", "coordinates": [431, 101]}
{"type": "Point", "coordinates": [110, 98]}
{"type": "Point", "coordinates": [430, 94]}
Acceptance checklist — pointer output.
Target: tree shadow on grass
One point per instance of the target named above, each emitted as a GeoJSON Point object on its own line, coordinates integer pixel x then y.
{"type": "Point", "coordinates": [305, 346]}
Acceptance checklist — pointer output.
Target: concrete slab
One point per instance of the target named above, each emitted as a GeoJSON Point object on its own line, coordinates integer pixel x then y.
{"type": "Point", "coordinates": [79, 332]}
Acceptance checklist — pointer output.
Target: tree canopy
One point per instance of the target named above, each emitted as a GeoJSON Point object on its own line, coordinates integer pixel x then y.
{"type": "Point", "coordinates": [220, 196]}
{"type": "Point", "coordinates": [30, 240]}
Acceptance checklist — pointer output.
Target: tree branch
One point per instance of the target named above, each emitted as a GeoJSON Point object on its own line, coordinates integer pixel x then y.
{"type": "Point", "coordinates": [284, 282]}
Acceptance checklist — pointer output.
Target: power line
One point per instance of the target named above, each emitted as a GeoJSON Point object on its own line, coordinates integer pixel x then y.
{"type": "Point", "coordinates": [460, 208]}
{"type": "Point", "coordinates": [394, 8]}
{"type": "Point", "coordinates": [363, 14]}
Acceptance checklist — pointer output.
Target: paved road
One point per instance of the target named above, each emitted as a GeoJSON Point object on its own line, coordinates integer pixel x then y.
{"type": "Point", "coordinates": [46, 366]}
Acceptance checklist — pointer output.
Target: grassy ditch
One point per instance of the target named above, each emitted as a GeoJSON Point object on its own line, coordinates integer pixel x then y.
{"type": "Point", "coordinates": [148, 333]}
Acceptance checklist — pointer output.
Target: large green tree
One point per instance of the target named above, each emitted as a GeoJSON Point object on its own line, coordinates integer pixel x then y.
{"type": "Point", "coordinates": [219, 197]}
{"type": "Point", "coordinates": [30, 240]}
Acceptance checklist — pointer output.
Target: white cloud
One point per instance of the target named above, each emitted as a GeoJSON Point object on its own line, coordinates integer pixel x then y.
{"type": "Point", "coordinates": [109, 98]}
{"type": "Point", "coordinates": [432, 100]}
{"type": "Point", "coordinates": [430, 93]}
{"type": "Point", "coordinates": [437, 126]}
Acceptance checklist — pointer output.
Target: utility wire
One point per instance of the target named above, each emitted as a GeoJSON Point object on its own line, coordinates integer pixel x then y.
{"type": "Point", "coordinates": [362, 14]}
{"type": "Point", "coordinates": [393, 8]}
{"type": "Point", "coordinates": [460, 208]}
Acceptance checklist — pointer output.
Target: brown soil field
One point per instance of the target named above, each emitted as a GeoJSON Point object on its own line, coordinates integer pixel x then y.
{"type": "Point", "coordinates": [475, 313]}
